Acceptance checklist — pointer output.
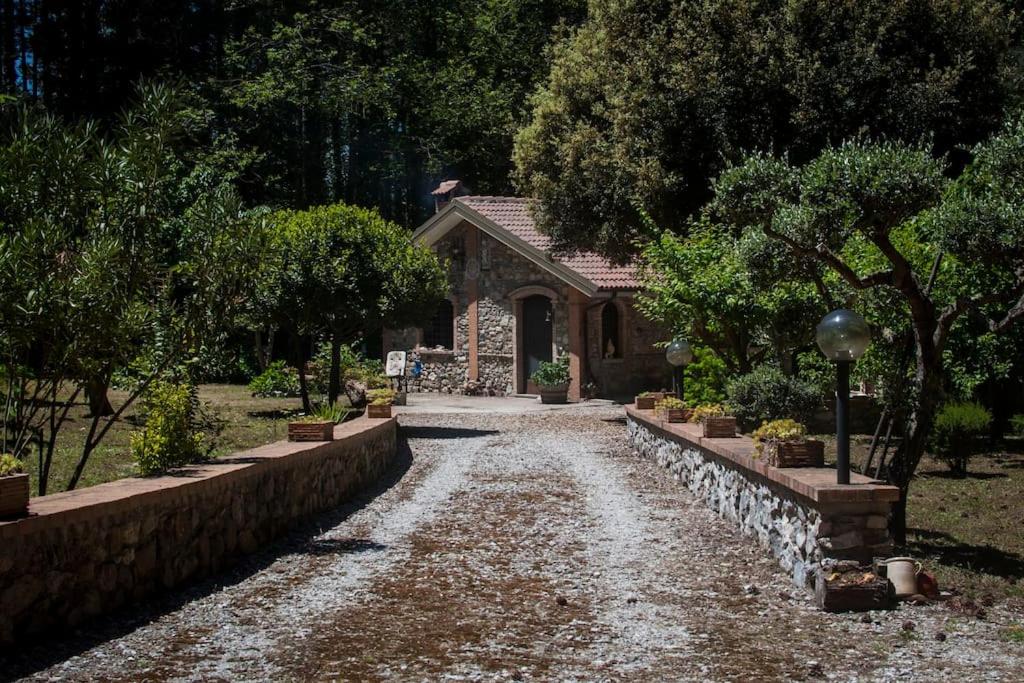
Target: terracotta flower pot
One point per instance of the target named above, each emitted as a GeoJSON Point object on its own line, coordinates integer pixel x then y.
{"type": "Point", "coordinates": [14, 492]}
{"type": "Point", "coordinates": [558, 393]}
{"type": "Point", "coordinates": [311, 431]}
{"type": "Point", "coordinates": [378, 412]}
{"type": "Point", "coordinates": [807, 453]}
{"type": "Point", "coordinates": [723, 427]}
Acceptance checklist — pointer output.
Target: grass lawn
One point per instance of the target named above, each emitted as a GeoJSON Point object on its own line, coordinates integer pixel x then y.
{"type": "Point", "coordinates": [968, 532]}
{"type": "Point", "coordinates": [243, 422]}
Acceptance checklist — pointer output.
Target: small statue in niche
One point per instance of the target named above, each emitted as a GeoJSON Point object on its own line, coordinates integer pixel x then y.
{"type": "Point", "coordinates": [609, 349]}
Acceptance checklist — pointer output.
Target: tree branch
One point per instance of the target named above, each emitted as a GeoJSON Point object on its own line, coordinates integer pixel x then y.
{"type": "Point", "coordinates": [828, 257]}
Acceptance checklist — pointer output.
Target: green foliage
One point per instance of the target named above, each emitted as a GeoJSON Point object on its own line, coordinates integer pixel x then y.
{"type": "Point", "coordinates": [706, 410]}
{"type": "Point", "coordinates": [551, 374]}
{"type": "Point", "coordinates": [331, 413]}
{"type": "Point", "coordinates": [958, 426]}
{"type": "Point", "coordinates": [669, 403]}
{"type": "Point", "coordinates": [9, 465]}
{"type": "Point", "coordinates": [778, 430]}
{"type": "Point", "coordinates": [381, 397]}
{"type": "Point", "coordinates": [354, 367]}
{"type": "Point", "coordinates": [169, 438]}
{"type": "Point", "coordinates": [1017, 424]}
{"type": "Point", "coordinates": [706, 377]}
{"type": "Point", "coordinates": [792, 77]}
{"type": "Point", "coordinates": [277, 380]}
{"type": "Point", "coordinates": [768, 394]}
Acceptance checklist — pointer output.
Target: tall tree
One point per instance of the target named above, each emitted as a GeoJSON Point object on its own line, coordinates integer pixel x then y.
{"type": "Point", "coordinates": [890, 201]}
{"type": "Point", "coordinates": [648, 101]}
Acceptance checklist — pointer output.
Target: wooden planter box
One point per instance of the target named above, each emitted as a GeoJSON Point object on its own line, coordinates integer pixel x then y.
{"type": "Point", "coordinates": [676, 414]}
{"type": "Point", "coordinates": [647, 402]}
{"type": "Point", "coordinates": [809, 453]}
{"type": "Point", "coordinates": [378, 412]}
{"type": "Point", "coordinates": [311, 431]}
{"type": "Point", "coordinates": [719, 427]}
{"type": "Point", "coordinates": [14, 495]}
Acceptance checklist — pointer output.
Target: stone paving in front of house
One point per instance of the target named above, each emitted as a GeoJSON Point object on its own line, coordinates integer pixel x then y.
{"type": "Point", "coordinates": [526, 546]}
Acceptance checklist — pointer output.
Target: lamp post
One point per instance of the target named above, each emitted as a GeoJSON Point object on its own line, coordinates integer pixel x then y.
{"type": "Point", "coordinates": [678, 354]}
{"type": "Point", "coordinates": [843, 336]}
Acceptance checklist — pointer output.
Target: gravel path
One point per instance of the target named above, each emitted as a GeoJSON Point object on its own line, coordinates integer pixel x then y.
{"type": "Point", "coordinates": [524, 547]}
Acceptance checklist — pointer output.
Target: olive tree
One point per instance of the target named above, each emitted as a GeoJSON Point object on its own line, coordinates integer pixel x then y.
{"type": "Point", "coordinates": [883, 203]}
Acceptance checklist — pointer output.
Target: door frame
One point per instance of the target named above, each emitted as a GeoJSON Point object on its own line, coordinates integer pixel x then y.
{"type": "Point", "coordinates": [517, 296]}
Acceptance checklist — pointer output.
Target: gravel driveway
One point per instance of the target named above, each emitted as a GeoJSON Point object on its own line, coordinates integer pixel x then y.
{"type": "Point", "coordinates": [518, 547]}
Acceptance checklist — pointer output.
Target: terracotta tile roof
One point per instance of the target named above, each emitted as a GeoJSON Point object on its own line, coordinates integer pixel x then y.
{"type": "Point", "coordinates": [513, 214]}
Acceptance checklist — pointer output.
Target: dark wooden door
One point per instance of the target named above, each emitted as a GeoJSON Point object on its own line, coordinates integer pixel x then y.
{"type": "Point", "coordinates": [537, 337]}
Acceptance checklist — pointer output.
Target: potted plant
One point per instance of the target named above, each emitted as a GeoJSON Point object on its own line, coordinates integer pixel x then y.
{"type": "Point", "coordinates": [672, 409]}
{"type": "Point", "coordinates": [784, 443]}
{"type": "Point", "coordinates": [647, 399]}
{"type": "Point", "coordinates": [715, 420]}
{"type": "Point", "coordinates": [380, 403]}
{"type": "Point", "coordinates": [13, 487]}
{"type": "Point", "coordinates": [553, 381]}
{"type": "Point", "coordinates": [318, 426]}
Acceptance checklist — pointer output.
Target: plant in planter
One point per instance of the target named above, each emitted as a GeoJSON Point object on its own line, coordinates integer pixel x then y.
{"type": "Point", "coordinates": [14, 487]}
{"type": "Point", "coordinates": [672, 409]}
{"type": "Point", "coordinates": [715, 420]}
{"type": "Point", "coordinates": [380, 403]}
{"type": "Point", "coordinates": [553, 381]}
{"type": "Point", "coordinates": [647, 399]}
{"type": "Point", "coordinates": [784, 443]}
{"type": "Point", "coordinates": [319, 425]}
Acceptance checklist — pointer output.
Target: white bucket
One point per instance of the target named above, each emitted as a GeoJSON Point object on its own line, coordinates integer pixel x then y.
{"type": "Point", "coordinates": [902, 574]}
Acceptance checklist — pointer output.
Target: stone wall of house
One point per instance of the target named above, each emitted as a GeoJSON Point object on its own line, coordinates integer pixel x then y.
{"type": "Point", "coordinates": [498, 271]}
{"type": "Point", "coordinates": [641, 365]}
{"type": "Point", "coordinates": [91, 551]}
{"type": "Point", "coordinates": [798, 530]}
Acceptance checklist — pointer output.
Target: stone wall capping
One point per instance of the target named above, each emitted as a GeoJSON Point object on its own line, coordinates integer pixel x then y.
{"type": "Point", "coordinates": [817, 484]}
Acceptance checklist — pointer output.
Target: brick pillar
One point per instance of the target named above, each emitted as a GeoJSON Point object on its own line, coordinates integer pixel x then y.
{"type": "Point", "coordinates": [472, 295]}
{"type": "Point", "coordinates": [577, 354]}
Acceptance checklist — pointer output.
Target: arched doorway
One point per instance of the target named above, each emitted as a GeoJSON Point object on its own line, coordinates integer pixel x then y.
{"type": "Point", "coordinates": [536, 337]}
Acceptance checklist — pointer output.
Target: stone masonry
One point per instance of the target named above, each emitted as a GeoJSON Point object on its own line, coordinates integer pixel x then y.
{"type": "Point", "coordinates": [90, 551]}
{"type": "Point", "coordinates": [794, 514]}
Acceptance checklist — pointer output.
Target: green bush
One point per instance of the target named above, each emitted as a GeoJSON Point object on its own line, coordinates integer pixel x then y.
{"type": "Point", "coordinates": [9, 465]}
{"type": "Point", "coordinates": [768, 394]}
{"type": "Point", "coordinates": [706, 378]}
{"type": "Point", "coordinates": [170, 438]}
{"type": "Point", "coordinates": [354, 368]}
{"type": "Point", "coordinates": [957, 427]}
{"type": "Point", "coordinates": [1017, 425]}
{"type": "Point", "coordinates": [277, 380]}
{"type": "Point", "coordinates": [551, 374]}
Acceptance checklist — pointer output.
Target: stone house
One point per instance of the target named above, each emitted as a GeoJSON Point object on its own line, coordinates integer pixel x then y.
{"type": "Point", "coordinates": [513, 304]}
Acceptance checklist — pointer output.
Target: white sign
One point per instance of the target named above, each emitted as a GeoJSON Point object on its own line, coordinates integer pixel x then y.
{"type": "Point", "coordinates": [395, 366]}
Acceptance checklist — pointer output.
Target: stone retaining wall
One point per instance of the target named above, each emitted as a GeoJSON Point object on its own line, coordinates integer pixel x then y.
{"type": "Point", "coordinates": [799, 514]}
{"type": "Point", "coordinates": [90, 551]}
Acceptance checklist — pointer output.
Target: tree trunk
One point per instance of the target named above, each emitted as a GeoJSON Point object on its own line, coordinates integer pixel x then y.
{"type": "Point", "coordinates": [99, 402]}
{"type": "Point", "coordinates": [262, 354]}
{"type": "Point", "coordinates": [915, 441]}
{"type": "Point", "coordinates": [334, 385]}
{"type": "Point", "coordinates": [303, 385]}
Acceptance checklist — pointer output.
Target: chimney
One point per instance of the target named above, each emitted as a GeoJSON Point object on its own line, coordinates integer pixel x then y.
{"type": "Point", "coordinates": [446, 192]}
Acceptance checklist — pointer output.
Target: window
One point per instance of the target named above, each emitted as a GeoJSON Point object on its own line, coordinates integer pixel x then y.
{"type": "Point", "coordinates": [440, 331]}
{"type": "Point", "coordinates": [611, 345]}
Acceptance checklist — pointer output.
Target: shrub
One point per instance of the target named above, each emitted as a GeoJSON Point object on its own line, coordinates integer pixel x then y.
{"type": "Point", "coordinates": [706, 377]}
{"type": "Point", "coordinates": [329, 413]}
{"type": "Point", "coordinates": [170, 438]}
{"type": "Point", "coordinates": [277, 380]}
{"type": "Point", "coordinates": [381, 397]}
{"type": "Point", "coordinates": [708, 410]}
{"type": "Point", "coordinates": [9, 465]}
{"type": "Point", "coordinates": [769, 394]}
{"type": "Point", "coordinates": [669, 403]}
{"type": "Point", "coordinates": [779, 430]}
{"type": "Point", "coordinates": [551, 374]}
{"type": "Point", "coordinates": [1017, 425]}
{"type": "Point", "coordinates": [957, 427]}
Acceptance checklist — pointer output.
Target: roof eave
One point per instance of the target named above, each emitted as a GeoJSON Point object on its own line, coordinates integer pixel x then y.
{"type": "Point", "coordinates": [438, 225]}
